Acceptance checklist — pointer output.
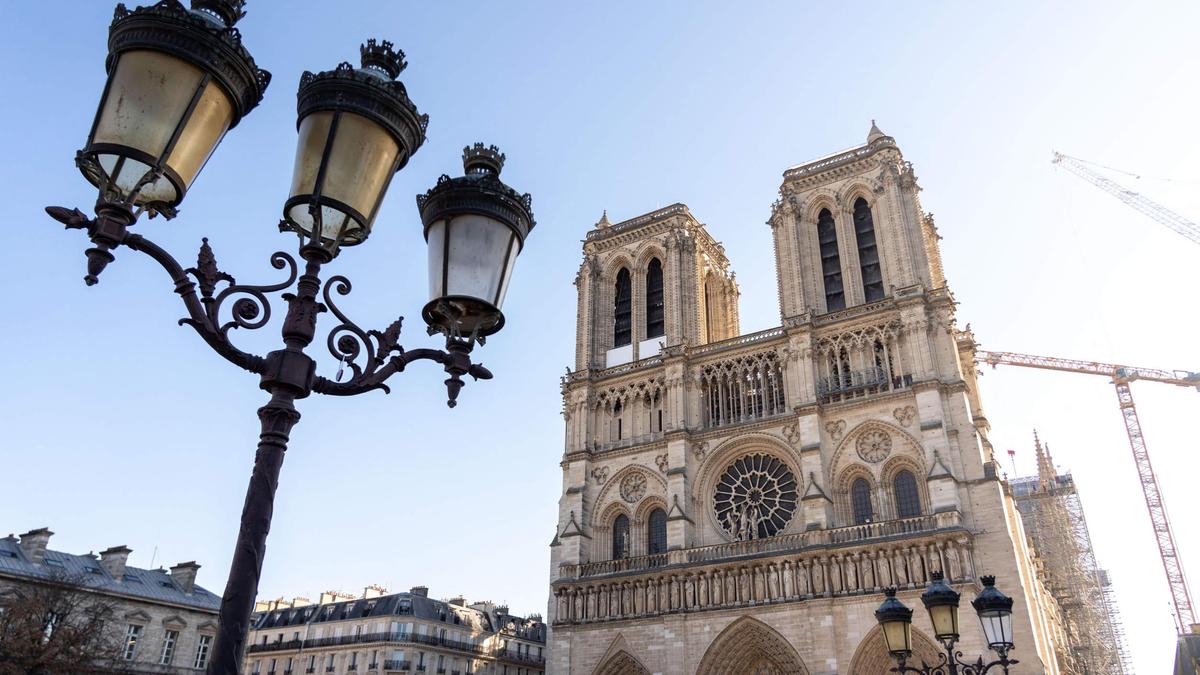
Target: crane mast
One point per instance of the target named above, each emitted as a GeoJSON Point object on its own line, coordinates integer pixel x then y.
{"type": "Point", "coordinates": [1153, 209]}
{"type": "Point", "coordinates": [1121, 376]}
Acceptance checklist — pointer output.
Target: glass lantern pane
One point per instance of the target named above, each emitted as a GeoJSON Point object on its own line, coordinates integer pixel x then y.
{"type": "Point", "coordinates": [361, 164]}
{"type": "Point", "coordinates": [209, 121]}
{"type": "Point", "coordinates": [148, 97]}
{"type": "Point", "coordinates": [310, 147]}
{"type": "Point", "coordinates": [477, 248]}
{"type": "Point", "coordinates": [435, 243]}
{"type": "Point", "coordinates": [896, 634]}
{"type": "Point", "coordinates": [514, 248]}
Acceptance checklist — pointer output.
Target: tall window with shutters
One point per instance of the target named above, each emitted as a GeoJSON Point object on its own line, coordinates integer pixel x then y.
{"type": "Point", "coordinates": [860, 501]}
{"type": "Point", "coordinates": [868, 251]}
{"type": "Point", "coordinates": [655, 324]}
{"type": "Point", "coordinates": [831, 262]}
{"type": "Point", "coordinates": [623, 310]}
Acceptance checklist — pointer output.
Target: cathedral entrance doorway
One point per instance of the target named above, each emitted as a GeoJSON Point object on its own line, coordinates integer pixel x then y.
{"type": "Point", "coordinates": [621, 663]}
{"type": "Point", "coordinates": [750, 647]}
{"type": "Point", "coordinates": [872, 654]}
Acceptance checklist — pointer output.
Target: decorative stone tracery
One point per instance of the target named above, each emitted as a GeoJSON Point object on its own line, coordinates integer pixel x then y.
{"type": "Point", "coordinates": [633, 486]}
{"type": "Point", "coordinates": [755, 497]}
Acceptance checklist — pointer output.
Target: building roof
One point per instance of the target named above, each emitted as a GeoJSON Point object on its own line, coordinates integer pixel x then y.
{"type": "Point", "coordinates": [152, 585]}
{"type": "Point", "coordinates": [395, 605]}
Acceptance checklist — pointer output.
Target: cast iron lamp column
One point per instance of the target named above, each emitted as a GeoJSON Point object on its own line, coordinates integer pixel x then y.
{"type": "Point", "coordinates": [178, 80]}
{"type": "Point", "coordinates": [995, 616]}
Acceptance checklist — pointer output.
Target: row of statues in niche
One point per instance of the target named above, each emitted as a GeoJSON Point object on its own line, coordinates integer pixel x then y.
{"type": "Point", "coordinates": [792, 579]}
{"type": "Point", "coordinates": [743, 523]}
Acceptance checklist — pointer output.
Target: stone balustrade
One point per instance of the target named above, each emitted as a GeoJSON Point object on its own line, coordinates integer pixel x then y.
{"type": "Point", "coordinates": [821, 563]}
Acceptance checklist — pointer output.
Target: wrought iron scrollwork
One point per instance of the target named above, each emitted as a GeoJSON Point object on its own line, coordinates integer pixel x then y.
{"type": "Point", "coordinates": [253, 310]}
{"type": "Point", "coordinates": [952, 663]}
{"type": "Point", "coordinates": [372, 356]}
{"type": "Point", "coordinates": [347, 342]}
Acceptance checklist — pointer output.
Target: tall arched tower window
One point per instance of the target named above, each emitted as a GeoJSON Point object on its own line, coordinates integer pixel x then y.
{"type": "Point", "coordinates": [623, 310]}
{"type": "Point", "coordinates": [656, 533]}
{"type": "Point", "coordinates": [831, 262]}
{"type": "Point", "coordinates": [860, 501]}
{"type": "Point", "coordinates": [908, 500]}
{"type": "Point", "coordinates": [868, 251]}
{"type": "Point", "coordinates": [655, 326]}
{"type": "Point", "coordinates": [620, 537]}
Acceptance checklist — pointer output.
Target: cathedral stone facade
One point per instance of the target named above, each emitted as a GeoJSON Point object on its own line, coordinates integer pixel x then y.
{"type": "Point", "coordinates": [736, 503]}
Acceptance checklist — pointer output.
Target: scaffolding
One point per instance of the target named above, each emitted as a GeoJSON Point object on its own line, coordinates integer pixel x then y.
{"type": "Point", "coordinates": [1054, 523]}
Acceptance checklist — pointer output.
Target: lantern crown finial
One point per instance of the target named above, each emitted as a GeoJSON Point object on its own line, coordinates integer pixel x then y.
{"type": "Point", "coordinates": [477, 159]}
{"type": "Point", "coordinates": [228, 11]}
{"type": "Point", "coordinates": [382, 55]}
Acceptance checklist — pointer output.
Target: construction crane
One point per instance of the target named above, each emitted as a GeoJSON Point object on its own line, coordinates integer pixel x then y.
{"type": "Point", "coordinates": [1121, 377]}
{"type": "Point", "coordinates": [1156, 211]}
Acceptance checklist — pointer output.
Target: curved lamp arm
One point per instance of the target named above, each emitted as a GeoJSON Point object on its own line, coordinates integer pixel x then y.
{"type": "Point", "coordinates": [368, 354]}
{"type": "Point", "coordinates": [951, 663]}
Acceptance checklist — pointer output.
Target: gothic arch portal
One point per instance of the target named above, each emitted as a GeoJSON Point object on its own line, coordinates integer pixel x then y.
{"type": "Point", "coordinates": [750, 647]}
{"type": "Point", "coordinates": [621, 663]}
{"type": "Point", "coordinates": [872, 654]}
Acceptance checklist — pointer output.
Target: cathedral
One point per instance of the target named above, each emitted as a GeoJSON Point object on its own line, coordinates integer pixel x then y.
{"type": "Point", "coordinates": [736, 504]}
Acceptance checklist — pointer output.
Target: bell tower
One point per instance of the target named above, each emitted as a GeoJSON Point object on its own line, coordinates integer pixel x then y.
{"type": "Point", "coordinates": [652, 281]}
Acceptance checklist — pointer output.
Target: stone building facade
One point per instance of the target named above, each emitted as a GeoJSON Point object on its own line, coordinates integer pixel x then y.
{"type": "Point", "coordinates": [159, 621]}
{"type": "Point", "coordinates": [377, 633]}
{"type": "Point", "coordinates": [736, 503]}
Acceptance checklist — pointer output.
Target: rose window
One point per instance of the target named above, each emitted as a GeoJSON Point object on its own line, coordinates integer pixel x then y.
{"type": "Point", "coordinates": [874, 445]}
{"type": "Point", "coordinates": [755, 497]}
{"type": "Point", "coordinates": [633, 487]}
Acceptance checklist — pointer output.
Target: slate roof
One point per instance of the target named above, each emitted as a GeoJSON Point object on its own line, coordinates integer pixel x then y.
{"type": "Point", "coordinates": [150, 585]}
{"type": "Point", "coordinates": [397, 604]}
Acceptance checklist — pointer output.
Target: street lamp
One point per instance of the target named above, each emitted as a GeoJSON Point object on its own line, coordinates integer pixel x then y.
{"type": "Point", "coordinates": [178, 79]}
{"type": "Point", "coordinates": [995, 615]}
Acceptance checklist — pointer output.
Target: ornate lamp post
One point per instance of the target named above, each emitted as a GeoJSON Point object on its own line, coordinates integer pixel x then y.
{"type": "Point", "coordinates": [995, 615]}
{"type": "Point", "coordinates": [178, 79]}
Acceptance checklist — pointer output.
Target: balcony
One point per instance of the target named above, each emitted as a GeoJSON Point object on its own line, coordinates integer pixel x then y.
{"type": "Point", "coordinates": [393, 666]}
{"type": "Point", "coordinates": [859, 383]}
{"type": "Point", "coordinates": [364, 638]}
{"type": "Point", "coordinates": [795, 542]}
{"type": "Point", "coordinates": [519, 658]}
{"type": "Point", "coordinates": [352, 666]}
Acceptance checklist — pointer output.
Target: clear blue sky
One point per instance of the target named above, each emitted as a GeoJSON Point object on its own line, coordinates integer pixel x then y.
{"type": "Point", "coordinates": [122, 428]}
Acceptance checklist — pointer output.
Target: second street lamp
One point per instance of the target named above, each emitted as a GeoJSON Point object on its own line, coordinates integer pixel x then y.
{"type": "Point", "coordinates": [178, 80]}
{"type": "Point", "coordinates": [995, 615]}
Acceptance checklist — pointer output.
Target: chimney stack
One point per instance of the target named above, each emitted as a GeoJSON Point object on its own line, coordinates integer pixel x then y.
{"type": "Point", "coordinates": [33, 544]}
{"type": "Point", "coordinates": [422, 591]}
{"type": "Point", "coordinates": [113, 561]}
{"type": "Point", "coordinates": [184, 575]}
{"type": "Point", "coordinates": [373, 591]}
